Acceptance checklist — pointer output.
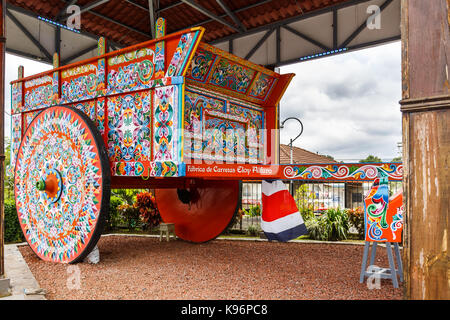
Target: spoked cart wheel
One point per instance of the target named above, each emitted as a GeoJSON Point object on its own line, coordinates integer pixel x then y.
{"type": "Point", "coordinates": [62, 185]}
{"type": "Point", "coordinates": [200, 213]}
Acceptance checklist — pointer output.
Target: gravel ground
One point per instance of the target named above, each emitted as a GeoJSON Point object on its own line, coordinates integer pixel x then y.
{"type": "Point", "coordinates": [144, 268]}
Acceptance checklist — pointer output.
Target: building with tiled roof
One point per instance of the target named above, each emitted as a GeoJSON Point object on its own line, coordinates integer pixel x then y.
{"type": "Point", "coordinates": [300, 155]}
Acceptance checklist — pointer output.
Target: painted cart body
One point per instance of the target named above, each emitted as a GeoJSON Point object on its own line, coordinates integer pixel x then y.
{"type": "Point", "coordinates": [137, 118]}
{"type": "Point", "coordinates": [162, 104]}
{"type": "Point", "coordinates": [174, 114]}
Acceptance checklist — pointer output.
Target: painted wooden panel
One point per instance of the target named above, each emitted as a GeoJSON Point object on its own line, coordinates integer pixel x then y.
{"type": "Point", "coordinates": [217, 70]}
{"type": "Point", "coordinates": [220, 129]}
{"type": "Point", "coordinates": [39, 93]}
{"type": "Point", "coordinates": [383, 215]}
{"type": "Point", "coordinates": [79, 83]}
{"type": "Point", "coordinates": [129, 132]}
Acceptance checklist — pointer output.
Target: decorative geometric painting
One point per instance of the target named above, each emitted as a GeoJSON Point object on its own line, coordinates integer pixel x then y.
{"type": "Point", "coordinates": [129, 132]}
{"type": "Point", "coordinates": [383, 215]}
{"type": "Point", "coordinates": [220, 129]}
{"type": "Point", "coordinates": [61, 185]}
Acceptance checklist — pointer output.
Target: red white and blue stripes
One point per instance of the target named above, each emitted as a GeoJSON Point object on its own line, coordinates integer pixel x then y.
{"type": "Point", "coordinates": [280, 219]}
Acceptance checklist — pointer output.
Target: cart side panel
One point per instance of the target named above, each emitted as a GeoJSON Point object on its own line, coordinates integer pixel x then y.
{"type": "Point", "coordinates": [243, 91]}
{"type": "Point", "coordinates": [16, 138]}
{"type": "Point", "coordinates": [218, 128]}
{"type": "Point", "coordinates": [167, 134]}
{"type": "Point", "coordinates": [38, 93]}
{"type": "Point", "coordinates": [80, 83]}
{"type": "Point", "coordinates": [217, 70]}
{"type": "Point", "coordinates": [129, 132]}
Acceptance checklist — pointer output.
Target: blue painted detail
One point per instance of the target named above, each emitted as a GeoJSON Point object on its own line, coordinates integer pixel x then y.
{"type": "Point", "coordinates": [182, 169]}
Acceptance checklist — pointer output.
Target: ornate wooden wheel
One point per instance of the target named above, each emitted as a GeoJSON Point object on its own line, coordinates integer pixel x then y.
{"type": "Point", "coordinates": [62, 185]}
{"type": "Point", "coordinates": [202, 213]}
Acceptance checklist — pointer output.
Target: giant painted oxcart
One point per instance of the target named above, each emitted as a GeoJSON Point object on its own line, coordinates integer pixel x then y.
{"type": "Point", "coordinates": [173, 114]}
{"type": "Point", "coordinates": [136, 118]}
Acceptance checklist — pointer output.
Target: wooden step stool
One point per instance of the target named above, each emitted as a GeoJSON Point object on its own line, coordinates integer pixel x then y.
{"type": "Point", "coordinates": [167, 228]}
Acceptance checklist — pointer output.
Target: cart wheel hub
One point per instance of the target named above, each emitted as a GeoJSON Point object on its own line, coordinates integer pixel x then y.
{"type": "Point", "coordinates": [51, 184]}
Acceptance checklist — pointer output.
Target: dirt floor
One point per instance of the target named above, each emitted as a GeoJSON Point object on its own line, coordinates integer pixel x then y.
{"type": "Point", "coordinates": [144, 268]}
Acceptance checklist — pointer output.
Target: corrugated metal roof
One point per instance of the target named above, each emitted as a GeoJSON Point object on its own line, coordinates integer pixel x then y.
{"type": "Point", "coordinates": [133, 16]}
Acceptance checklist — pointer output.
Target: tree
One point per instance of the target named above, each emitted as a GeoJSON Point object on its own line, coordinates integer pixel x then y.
{"type": "Point", "coordinates": [370, 158]}
{"type": "Point", "coordinates": [397, 159]}
{"type": "Point", "coordinates": [9, 178]}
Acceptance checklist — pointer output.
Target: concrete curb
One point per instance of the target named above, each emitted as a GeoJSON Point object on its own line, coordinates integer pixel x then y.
{"type": "Point", "coordinates": [358, 243]}
{"type": "Point", "coordinates": [22, 280]}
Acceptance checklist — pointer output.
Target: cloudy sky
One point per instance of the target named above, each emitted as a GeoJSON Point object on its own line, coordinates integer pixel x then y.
{"type": "Point", "coordinates": [348, 103]}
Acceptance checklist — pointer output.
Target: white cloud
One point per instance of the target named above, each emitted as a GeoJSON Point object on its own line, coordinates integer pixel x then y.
{"type": "Point", "coordinates": [348, 103]}
{"type": "Point", "coordinates": [12, 64]}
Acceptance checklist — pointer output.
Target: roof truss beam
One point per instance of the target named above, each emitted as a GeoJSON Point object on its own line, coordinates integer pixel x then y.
{"type": "Point", "coordinates": [151, 11]}
{"type": "Point", "coordinates": [305, 37]}
{"type": "Point", "coordinates": [86, 8]}
{"type": "Point", "coordinates": [28, 35]}
{"type": "Point", "coordinates": [64, 10]}
{"type": "Point", "coordinates": [93, 5]}
{"type": "Point", "coordinates": [79, 54]}
{"type": "Point", "coordinates": [113, 21]}
{"type": "Point", "coordinates": [28, 55]}
{"type": "Point", "coordinates": [35, 16]}
{"type": "Point", "coordinates": [232, 15]}
{"type": "Point", "coordinates": [304, 16]}
{"type": "Point", "coordinates": [259, 44]}
{"type": "Point", "coordinates": [363, 26]}
{"type": "Point", "coordinates": [210, 14]}
{"type": "Point", "coordinates": [225, 15]}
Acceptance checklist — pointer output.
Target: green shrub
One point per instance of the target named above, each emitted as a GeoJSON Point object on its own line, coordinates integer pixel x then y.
{"type": "Point", "coordinates": [307, 212]}
{"type": "Point", "coordinates": [13, 231]}
{"type": "Point", "coordinates": [336, 224]}
{"type": "Point", "coordinates": [333, 225]}
{"type": "Point", "coordinates": [253, 230]}
{"type": "Point", "coordinates": [115, 219]}
{"type": "Point", "coordinates": [356, 218]}
{"type": "Point", "coordinates": [254, 211]}
{"type": "Point", "coordinates": [130, 215]}
{"type": "Point", "coordinates": [316, 228]}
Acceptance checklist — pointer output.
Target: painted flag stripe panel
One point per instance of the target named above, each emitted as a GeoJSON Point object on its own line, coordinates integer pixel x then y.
{"type": "Point", "coordinates": [282, 224]}
{"type": "Point", "coordinates": [288, 234]}
{"type": "Point", "coordinates": [278, 205]}
{"type": "Point", "coordinates": [280, 218]}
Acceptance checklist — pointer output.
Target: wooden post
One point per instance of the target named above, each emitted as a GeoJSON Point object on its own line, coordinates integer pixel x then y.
{"type": "Point", "coordinates": [2, 135]}
{"type": "Point", "coordinates": [426, 147]}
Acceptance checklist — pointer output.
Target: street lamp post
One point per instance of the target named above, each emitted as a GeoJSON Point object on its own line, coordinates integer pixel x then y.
{"type": "Point", "coordinates": [291, 144]}
{"type": "Point", "coordinates": [292, 140]}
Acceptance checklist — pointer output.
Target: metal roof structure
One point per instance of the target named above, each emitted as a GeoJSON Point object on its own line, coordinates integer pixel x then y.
{"type": "Point", "coordinates": [268, 32]}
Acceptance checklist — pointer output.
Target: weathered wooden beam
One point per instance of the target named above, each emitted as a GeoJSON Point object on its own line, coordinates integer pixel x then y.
{"type": "Point", "coordinates": [2, 134]}
{"type": "Point", "coordinates": [426, 147]}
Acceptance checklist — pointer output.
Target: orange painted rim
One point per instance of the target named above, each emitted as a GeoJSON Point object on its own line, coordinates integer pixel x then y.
{"type": "Point", "coordinates": [213, 207]}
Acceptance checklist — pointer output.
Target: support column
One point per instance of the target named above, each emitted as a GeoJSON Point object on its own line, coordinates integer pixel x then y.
{"type": "Point", "coordinates": [426, 152]}
{"type": "Point", "coordinates": [2, 135]}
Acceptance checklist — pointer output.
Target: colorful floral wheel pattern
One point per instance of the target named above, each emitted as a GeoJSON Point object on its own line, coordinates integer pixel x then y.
{"type": "Point", "coordinates": [62, 185]}
{"type": "Point", "coordinates": [200, 214]}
